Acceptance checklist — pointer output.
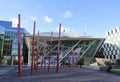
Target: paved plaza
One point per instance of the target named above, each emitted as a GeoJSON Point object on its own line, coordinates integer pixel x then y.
{"type": "Point", "coordinates": [65, 74]}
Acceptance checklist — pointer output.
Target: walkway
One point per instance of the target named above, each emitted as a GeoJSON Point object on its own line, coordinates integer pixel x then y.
{"type": "Point", "coordinates": [65, 74]}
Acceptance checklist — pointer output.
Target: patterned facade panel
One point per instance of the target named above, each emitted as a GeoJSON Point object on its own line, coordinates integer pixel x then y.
{"type": "Point", "coordinates": [113, 52]}
{"type": "Point", "coordinates": [111, 44]}
{"type": "Point", "coordinates": [118, 51]}
{"type": "Point", "coordinates": [117, 57]}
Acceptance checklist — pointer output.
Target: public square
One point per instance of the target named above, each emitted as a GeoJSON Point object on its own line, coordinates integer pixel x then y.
{"type": "Point", "coordinates": [65, 74]}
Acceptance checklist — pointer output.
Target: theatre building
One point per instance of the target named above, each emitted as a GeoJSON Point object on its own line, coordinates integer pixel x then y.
{"type": "Point", "coordinates": [75, 47]}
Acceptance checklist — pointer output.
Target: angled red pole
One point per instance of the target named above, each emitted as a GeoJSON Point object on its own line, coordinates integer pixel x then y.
{"type": "Point", "coordinates": [44, 54]}
{"type": "Point", "coordinates": [58, 48]}
{"type": "Point", "coordinates": [33, 54]}
{"type": "Point", "coordinates": [50, 51]}
{"type": "Point", "coordinates": [19, 54]}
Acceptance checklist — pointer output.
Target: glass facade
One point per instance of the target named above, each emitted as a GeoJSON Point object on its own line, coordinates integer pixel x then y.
{"type": "Point", "coordinates": [8, 43]}
{"type": "Point", "coordinates": [79, 48]}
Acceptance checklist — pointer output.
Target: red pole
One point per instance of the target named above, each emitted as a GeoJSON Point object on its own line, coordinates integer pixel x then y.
{"type": "Point", "coordinates": [76, 61]}
{"type": "Point", "coordinates": [19, 56]}
{"type": "Point", "coordinates": [44, 54]}
{"type": "Point", "coordinates": [37, 52]}
{"type": "Point", "coordinates": [58, 49]}
{"type": "Point", "coordinates": [33, 54]}
{"type": "Point", "coordinates": [50, 51]}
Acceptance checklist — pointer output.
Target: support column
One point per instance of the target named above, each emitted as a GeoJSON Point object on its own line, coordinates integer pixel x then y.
{"type": "Point", "coordinates": [29, 57]}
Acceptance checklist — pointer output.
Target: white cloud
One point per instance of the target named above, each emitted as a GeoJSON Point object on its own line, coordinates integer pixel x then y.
{"type": "Point", "coordinates": [67, 14]}
{"type": "Point", "coordinates": [64, 29]}
{"type": "Point", "coordinates": [14, 22]}
{"type": "Point", "coordinates": [33, 18]}
{"type": "Point", "coordinates": [48, 19]}
{"type": "Point", "coordinates": [25, 21]}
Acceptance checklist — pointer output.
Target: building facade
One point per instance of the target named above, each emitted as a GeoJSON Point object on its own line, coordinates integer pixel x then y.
{"type": "Point", "coordinates": [74, 46]}
{"type": "Point", "coordinates": [77, 46]}
{"type": "Point", "coordinates": [8, 43]}
{"type": "Point", "coordinates": [111, 44]}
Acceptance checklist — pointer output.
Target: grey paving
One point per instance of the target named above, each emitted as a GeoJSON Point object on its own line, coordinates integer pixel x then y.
{"type": "Point", "coordinates": [6, 69]}
{"type": "Point", "coordinates": [65, 74]}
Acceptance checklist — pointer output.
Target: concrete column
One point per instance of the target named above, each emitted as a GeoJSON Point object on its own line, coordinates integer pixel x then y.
{"type": "Point", "coordinates": [29, 53]}
{"type": "Point", "coordinates": [29, 57]}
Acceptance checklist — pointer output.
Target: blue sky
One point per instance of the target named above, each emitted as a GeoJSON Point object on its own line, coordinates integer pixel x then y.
{"type": "Point", "coordinates": [97, 16]}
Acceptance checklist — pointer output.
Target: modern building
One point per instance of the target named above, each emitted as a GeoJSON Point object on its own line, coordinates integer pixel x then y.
{"type": "Point", "coordinates": [72, 46]}
{"type": "Point", "coordinates": [111, 45]}
{"type": "Point", "coordinates": [8, 43]}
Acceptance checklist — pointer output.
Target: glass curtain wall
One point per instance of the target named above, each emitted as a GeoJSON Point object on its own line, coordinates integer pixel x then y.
{"type": "Point", "coordinates": [1, 43]}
